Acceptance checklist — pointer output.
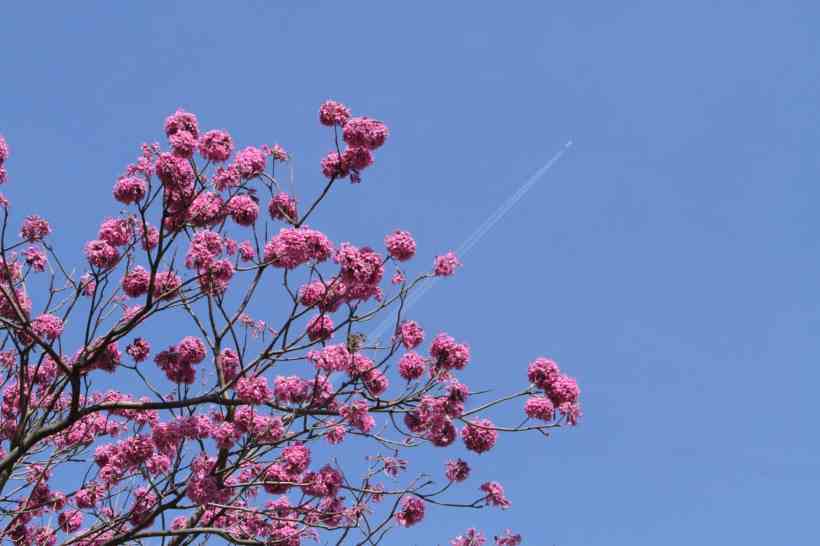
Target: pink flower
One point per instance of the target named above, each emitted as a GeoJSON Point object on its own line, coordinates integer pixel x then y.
{"type": "Point", "coordinates": [400, 245]}
{"type": "Point", "coordinates": [412, 511]}
{"type": "Point", "coordinates": [250, 162]}
{"type": "Point", "coordinates": [411, 334]}
{"type": "Point", "coordinates": [191, 350]}
{"type": "Point", "coordinates": [243, 209]}
{"type": "Point", "coordinates": [446, 265]}
{"type": "Point", "coordinates": [101, 254]}
{"type": "Point", "coordinates": [70, 520]}
{"type": "Point", "coordinates": [135, 282]}
{"type": "Point", "coordinates": [181, 121]}
{"type": "Point", "coordinates": [295, 458]}
{"type": "Point", "coordinates": [253, 389]}
{"type": "Point", "coordinates": [376, 382]}
{"type": "Point", "coordinates": [175, 368]}
{"type": "Point", "coordinates": [129, 189]}
{"type": "Point", "coordinates": [183, 144]}
{"type": "Point", "coordinates": [149, 237]}
{"type": "Point", "coordinates": [225, 435]}
{"type": "Point", "coordinates": [325, 483]}
{"type": "Point", "coordinates": [333, 358]}
{"type": "Point", "coordinates": [175, 173]}
{"type": "Point", "coordinates": [542, 372]}
{"type": "Point", "coordinates": [495, 495]}
{"type": "Point", "coordinates": [282, 207]}
{"type": "Point", "coordinates": [116, 231]}
{"type": "Point", "coordinates": [508, 539]}
{"type": "Point", "coordinates": [292, 247]}
{"type": "Point", "coordinates": [35, 258]}
{"type": "Point", "coordinates": [479, 436]}
{"type": "Point", "coordinates": [4, 150]}
{"type": "Point", "coordinates": [47, 326]}
{"type": "Point", "coordinates": [87, 497]}
{"type": "Point", "coordinates": [227, 177]}
{"type": "Point", "coordinates": [292, 389]}
{"type": "Point", "coordinates": [457, 470]}
{"type": "Point", "coordinates": [397, 278]}
{"type": "Point", "coordinates": [216, 145]}
{"type": "Point", "coordinates": [205, 248]}
{"type": "Point", "coordinates": [228, 362]}
{"type": "Point", "coordinates": [357, 415]}
{"type": "Point", "coordinates": [166, 285]}
{"type": "Point", "coordinates": [357, 158]}
{"type": "Point", "coordinates": [320, 327]}
{"type": "Point", "coordinates": [138, 349]}
{"type": "Point", "coordinates": [448, 353]}
{"type": "Point", "coordinates": [246, 251]}
{"type": "Point", "coordinates": [336, 435]}
{"type": "Point", "coordinates": [411, 366]}
{"type": "Point", "coordinates": [34, 228]}
{"type": "Point", "coordinates": [334, 167]}
{"type": "Point", "coordinates": [207, 209]}
{"type": "Point", "coordinates": [472, 537]}
{"type": "Point", "coordinates": [333, 113]}
{"type": "Point", "coordinates": [563, 389]}
{"type": "Point", "coordinates": [278, 153]}
{"type": "Point", "coordinates": [393, 466]}
{"type": "Point", "coordinates": [326, 297]}
{"type": "Point", "coordinates": [366, 132]}
{"type": "Point", "coordinates": [539, 407]}
{"type": "Point", "coordinates": [362, 270]}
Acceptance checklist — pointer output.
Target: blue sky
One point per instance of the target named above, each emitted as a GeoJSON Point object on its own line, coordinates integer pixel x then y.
{"type": "Point", "coordinates": [666, 261]}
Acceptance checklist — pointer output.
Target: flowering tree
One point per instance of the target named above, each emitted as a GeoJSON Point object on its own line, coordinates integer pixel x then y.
{"type": "Point", "coordinates": [240, 430]}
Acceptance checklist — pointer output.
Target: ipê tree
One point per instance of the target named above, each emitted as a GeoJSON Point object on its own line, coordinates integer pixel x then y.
{"type": "Point", "coordinates": [239, 430]}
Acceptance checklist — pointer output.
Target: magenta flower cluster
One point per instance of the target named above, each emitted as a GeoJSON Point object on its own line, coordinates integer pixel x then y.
{"type": "Point", "coordinates": [220, 434]}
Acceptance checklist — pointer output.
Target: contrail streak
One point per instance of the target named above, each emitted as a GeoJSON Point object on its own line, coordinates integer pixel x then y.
{"type": "Point", "coordinates": [476, 236]}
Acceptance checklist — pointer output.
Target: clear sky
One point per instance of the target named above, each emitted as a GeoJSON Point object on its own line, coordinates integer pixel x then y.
{"type": "Point", "coordinates": [669, 261]}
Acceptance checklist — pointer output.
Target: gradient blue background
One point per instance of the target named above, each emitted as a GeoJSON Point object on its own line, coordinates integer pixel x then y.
{"type": "Point", "coordinates": [669, 261]}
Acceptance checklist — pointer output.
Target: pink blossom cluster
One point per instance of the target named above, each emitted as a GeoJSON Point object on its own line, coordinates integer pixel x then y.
{"type": "Point", "coordinates": [35, 228]}
{"type": "Point", "coordinates": [495, 495]}
{"type": "Point", "coordinates": [361, 271]}
{"type": "Point", "coordinates": [4, 155]}
{"type": "Point", "coordinates": [35, 258]}
{"type": "Point", "coordinates": [445, 265]}
{"type": "Point", "coordinates": [139, 349]}
{"type": "Point", "coordinates": [282, 207]}
{"type": "Point", "coordinates": [411, 512]}
{"type": "Point", "coordinates": [320, 327]}
{"type": "Point", "coordinates": [410, 334]}
{"type": "Point", "coordinates": [457, 470]}
{"type": "Point", "coordinates": [562, 392]}
{"type": "Point", "coordinates": [244, 209]}
{"type": "Point", "coordinates": [361, 134]}
{"type": "Point", "coordinates": [47, 326]}
{"type": "Point", "coordinates": [357, 414]}
{"type": "Point", "coordinates": [214, 273]}
{"type": "Point", "coordinates": [448, 354]}
{"type": "Point", "coordinates": [253, 389]}
{"type": "Point", "coordinates": [292, 247]}
{"type": "Point", "coordinates": [228, 450]}
{"type": "Point", "coordinates": [178, 361]}
{"type": "Point", "coordinates": [411, 366]}
{"type": "Point", "coordinates": [479, 436]}
{"type": "Point", "coordinates": [400, 245]}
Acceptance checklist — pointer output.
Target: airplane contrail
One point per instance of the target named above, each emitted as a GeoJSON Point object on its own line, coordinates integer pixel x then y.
{"type": "Point", "coordinates": [476, 236]}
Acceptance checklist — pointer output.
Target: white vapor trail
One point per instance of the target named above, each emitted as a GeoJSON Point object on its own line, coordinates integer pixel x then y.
{"type": "Point", "coordinates": [476, 236]}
